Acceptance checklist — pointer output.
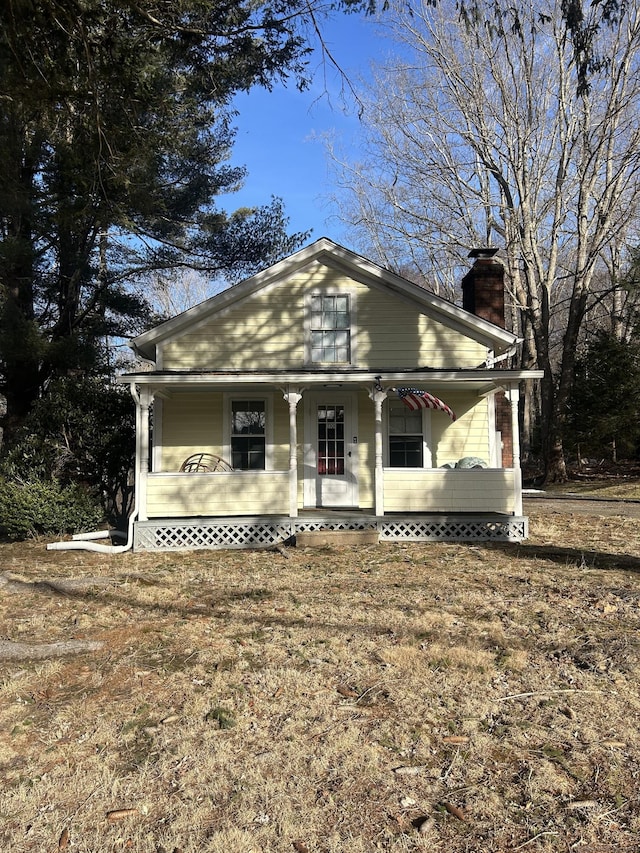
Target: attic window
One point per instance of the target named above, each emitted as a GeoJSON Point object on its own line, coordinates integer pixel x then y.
{"type": "Point", "coordinates": [331, 329]}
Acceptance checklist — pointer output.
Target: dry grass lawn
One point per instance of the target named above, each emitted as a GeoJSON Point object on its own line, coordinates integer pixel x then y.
{"type": "Point", "coordinates": [400, 697]}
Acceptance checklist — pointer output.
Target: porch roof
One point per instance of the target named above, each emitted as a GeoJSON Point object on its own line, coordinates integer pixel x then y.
{"type": "Point", "coordinates": [483, 380]}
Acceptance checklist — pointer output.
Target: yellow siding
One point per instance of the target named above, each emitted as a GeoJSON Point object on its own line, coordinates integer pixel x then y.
{"type": "Point", "coordinates": [267, 330]}
{"type": "Point", "coordinates": [467, 436]}
{"type": "Point", "coordinates": [191, 423]}
{"type": "Point", "coordinates": [449, 491]}
{"type": "Point", "coordinates": [219, 494]}
{"type": "Point", "coordinates": [263, 331]}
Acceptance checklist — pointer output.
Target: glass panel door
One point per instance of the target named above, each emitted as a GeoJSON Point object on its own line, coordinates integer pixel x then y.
{"type": "Point", "coordinates": [331, 448]}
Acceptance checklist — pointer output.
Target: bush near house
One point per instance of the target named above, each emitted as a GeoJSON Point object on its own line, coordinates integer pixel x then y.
{"type": "Point", "coordinates": [71, 463]}
{"type": "Point", "coordinates": [39, 507]}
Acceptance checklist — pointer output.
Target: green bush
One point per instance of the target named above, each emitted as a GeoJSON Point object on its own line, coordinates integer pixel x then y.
{"type": "Point", "coordinates": [81, 431]}
{"type": "Point", "coordinates": [39, 507]}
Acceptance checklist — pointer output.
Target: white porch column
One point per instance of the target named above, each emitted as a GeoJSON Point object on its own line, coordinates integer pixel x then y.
{"type": "Point", "coordinates": [142, 450]}
{"type": "Point", "coordinates": [514, 397]}
{"type": "Point", "coordinates": [293, 397]}
{"type": "Point", "coordinates": [378, 395]}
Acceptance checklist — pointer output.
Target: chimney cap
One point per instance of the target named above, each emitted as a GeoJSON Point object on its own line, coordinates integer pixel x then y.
{"type": "Point", "coordinates": [486, 252]}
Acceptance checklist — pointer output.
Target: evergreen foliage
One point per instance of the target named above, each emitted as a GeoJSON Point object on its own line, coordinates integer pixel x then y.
{"type": "Point", "coordinates": [115, 131]}
{"type": "Point", "coordinates": [38, 507]}
{"type": "Point", "coordinates": [604, 409]}
{"type": "Point", "coordinates": [81, 433]}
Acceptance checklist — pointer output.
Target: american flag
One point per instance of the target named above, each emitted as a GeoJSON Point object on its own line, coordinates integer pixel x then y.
{"type": "Point", "coordinates": [416, 399]}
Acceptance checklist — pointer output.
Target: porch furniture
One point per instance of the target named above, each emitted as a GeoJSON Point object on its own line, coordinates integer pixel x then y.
{"type": "Point", "coordinates": [204, 463]}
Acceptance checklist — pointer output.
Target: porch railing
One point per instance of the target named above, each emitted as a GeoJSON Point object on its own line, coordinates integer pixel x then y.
{"type": "Point", "coordinates": [452, 490]}
{"type": "Point", "coordinates": [223, 493]}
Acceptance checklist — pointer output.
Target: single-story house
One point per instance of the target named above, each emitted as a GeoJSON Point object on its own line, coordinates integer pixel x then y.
{"type": "Point", "coordinates": [326, 393]}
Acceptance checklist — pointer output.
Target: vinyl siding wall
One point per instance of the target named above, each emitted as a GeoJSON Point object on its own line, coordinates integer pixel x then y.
{"type": "Point", "coordinates": [192, 422]}
{"type": "Point", "coordinates": [468, 435]}
{"type": "Point", "coordinates": [267, 330]}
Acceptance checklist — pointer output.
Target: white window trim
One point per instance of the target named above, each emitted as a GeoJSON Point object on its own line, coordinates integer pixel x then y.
{"type": "Point", "coordinates": [227, 398]}
{"type": "Point", "coordinates": [427, 456]}
{"type": "Point", "coordinates": [335, 291]}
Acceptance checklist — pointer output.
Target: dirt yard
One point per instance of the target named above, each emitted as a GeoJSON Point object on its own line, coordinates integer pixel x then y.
{"type": "Point", "coordinates": [417, 697]}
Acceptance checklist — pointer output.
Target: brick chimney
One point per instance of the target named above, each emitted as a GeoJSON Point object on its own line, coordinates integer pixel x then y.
{"type": "Point", "coordinates": [483, 287]}
{"type": "Point", "coordinates": [483, 295]}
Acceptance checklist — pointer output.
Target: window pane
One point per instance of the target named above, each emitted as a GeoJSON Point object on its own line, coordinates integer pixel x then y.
{"type": "Point", "coordinates": [405, 452]}
{"type": "Point", "coordinates": [342, 304]}
{"type": "Point", "coordinates": [406, 440]}
{"type": "Point", "coordinates": [248, 426]}
{"type": "Point", "coordinates": [331, 446]}
{"type": "Point", "coordinates": [248, 454]}
{"type": "Point", "coordinates": [403, 421]}
{"type": "Point", "coordinates": [248, 417]}
{"type": "Point", "coordinates": [330, 329]}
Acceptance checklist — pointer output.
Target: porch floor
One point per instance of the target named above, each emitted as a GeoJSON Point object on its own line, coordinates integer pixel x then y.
{"type": "Point", "coordinates": [166, 534]}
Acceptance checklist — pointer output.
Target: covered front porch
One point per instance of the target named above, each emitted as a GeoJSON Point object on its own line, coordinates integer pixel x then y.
{"type": "Point", "coordinates": [293, 489]}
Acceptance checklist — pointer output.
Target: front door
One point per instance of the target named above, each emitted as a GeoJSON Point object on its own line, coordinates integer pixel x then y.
{"type": "Point", "coordinates": [331, 445]}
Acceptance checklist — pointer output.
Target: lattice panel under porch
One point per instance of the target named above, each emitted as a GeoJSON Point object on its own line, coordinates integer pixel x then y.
{"type": "Point", "coordinates": [173, 535]}
{"type": "Point", "coordinates": [453, 530]}
{"type": "Point", "coordinates": [169, 536]}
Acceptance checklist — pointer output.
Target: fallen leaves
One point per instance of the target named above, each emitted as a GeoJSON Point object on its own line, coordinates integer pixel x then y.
{"type": "Point", "coordinates": [456, 811]}
{"type": "Point", "coordinates": [121, 814]}
{"type": "Point", "coordinates": [409, 770]}
{"type": "Point", "coordinates": [346, 691]}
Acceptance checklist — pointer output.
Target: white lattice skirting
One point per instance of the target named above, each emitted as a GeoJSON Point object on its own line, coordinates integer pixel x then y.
{"type": "Point", "coordinates": [222, 533]}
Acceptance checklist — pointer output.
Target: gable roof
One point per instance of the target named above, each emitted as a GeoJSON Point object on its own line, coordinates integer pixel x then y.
{"type": "Point", "coordinates": [327, 252]}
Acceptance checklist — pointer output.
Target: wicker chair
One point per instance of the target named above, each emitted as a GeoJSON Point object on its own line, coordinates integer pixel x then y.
{"type": "Point", "coordinates": [204, 463]}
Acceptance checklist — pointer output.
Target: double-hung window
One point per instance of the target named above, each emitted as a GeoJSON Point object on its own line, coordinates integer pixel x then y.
{"type": "Point", "coordinates": [406, 436]}
{"type": "Point", "coordinates": [248, 434]}
{"type": "Point", "coordinates": [331, 329]}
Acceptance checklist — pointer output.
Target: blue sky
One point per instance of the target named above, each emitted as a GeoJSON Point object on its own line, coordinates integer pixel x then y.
{"type": "Point", "coordinates": [279, 137]}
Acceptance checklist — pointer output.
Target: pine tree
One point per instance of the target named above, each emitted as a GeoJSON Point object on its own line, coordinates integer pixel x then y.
{"type": "Point", "coordinates": [115, 133]}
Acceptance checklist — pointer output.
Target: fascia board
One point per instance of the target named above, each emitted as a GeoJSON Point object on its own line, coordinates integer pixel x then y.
{"type": "Point", "coordinates": [494, 377]}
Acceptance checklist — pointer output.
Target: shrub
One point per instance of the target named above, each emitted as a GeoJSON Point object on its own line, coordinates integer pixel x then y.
{"type": "Point", "coordinates": [40, 507]}
{"type": "Point", "coordinates": [81, 431]}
